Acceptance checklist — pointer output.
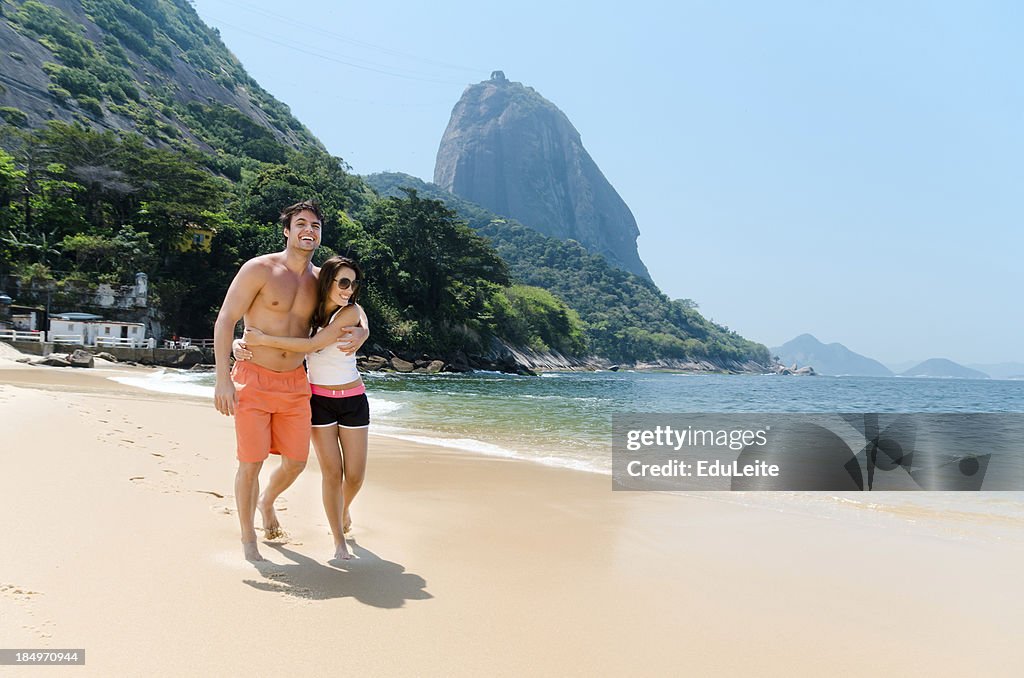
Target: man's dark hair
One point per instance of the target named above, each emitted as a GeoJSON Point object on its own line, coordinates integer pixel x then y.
{"type": "Point", "coordinates": [290, 211]}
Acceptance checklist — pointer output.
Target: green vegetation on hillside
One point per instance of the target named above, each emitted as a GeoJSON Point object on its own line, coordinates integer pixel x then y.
{"type": "Point", "coordinates": [145, 70]}
{"type": "Point", "coordinates": [80, 207]}
{"type": "Point", "coordinates": [626, 317]}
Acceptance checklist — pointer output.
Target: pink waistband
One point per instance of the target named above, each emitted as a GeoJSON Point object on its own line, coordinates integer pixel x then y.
{"type": "Point", "coordinates": [331, 393]}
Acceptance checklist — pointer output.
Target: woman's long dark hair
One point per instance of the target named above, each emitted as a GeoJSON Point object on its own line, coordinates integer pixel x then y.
{"type": "Point", "coordinates": [328, 272]}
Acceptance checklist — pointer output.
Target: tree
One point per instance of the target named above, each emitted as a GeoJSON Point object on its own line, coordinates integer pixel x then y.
{"type": "Point", "coordinates": [440, 271]}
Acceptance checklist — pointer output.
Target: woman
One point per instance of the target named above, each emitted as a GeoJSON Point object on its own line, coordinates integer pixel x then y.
{"type": "Point", "coordinates": [341, 413]}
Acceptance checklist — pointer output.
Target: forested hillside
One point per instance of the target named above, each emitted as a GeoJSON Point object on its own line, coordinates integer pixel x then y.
{"type": "Point", "coordinates": [626, 317]}
{"type": "Point", "coordinates": [130, 128]}
{"type": "Point", "coordinates": [150, 67]}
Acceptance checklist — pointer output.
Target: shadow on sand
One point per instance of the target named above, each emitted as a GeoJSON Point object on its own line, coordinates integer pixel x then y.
{"type": "Point", "coordinates": [368, 578]}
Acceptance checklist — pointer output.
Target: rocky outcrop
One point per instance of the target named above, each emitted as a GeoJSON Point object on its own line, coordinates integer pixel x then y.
{"type": "Point", "coordinates": [512, 151]}
{"type": "Point", "coordinates": [499, 357]}
{"type": "Point", "coordinates": [509, 358]}
{"type": "Point", "coordinates": [806, 371]}
{"type": "Point", "coordinates": [701, 366]}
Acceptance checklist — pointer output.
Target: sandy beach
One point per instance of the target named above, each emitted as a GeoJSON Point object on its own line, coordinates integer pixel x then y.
{"type": "Point", "coordinates": [121, 538]}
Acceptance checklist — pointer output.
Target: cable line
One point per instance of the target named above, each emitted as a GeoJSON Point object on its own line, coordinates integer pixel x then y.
{"type": "Point", "coordinates": [337, 60]}
{"type": "Point", "coordinates": [339, 36]}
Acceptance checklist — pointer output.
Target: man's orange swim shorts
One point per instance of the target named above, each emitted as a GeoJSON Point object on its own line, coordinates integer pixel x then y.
{"type": "Point", "coordinates": [272, 412]}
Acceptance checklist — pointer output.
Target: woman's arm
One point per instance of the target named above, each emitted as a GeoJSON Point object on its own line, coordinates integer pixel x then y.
{"type": "Point", "coordinates": [352, 338]}
{"type": "Point", "coordinates": [347, 317]}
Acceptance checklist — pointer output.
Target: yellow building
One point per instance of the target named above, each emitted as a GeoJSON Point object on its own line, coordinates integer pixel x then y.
{"type": "Point", "coordinates": [197, 238]}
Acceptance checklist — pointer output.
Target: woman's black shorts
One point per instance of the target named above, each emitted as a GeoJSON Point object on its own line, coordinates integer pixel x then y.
{"type": "Point", "coordinates": [350, 412]}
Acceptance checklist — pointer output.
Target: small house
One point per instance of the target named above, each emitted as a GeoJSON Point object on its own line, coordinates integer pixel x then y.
{"type": "Point", "coordinates": [71, 328]}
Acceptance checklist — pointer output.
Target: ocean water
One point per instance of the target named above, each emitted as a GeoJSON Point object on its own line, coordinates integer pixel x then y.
{"type": "Point", "coordinates": [564, 420]}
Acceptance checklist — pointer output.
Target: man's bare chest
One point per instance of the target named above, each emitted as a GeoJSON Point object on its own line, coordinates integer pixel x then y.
{"type": "Point", "coordinates": [288, 295]}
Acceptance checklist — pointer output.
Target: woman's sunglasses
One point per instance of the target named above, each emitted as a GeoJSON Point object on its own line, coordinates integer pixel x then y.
{"type": "Point", "coordinates": [347, 283]}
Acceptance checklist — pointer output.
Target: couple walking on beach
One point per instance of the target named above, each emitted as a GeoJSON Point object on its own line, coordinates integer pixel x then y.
{"type": "Point", "coordinates": [294, 312]}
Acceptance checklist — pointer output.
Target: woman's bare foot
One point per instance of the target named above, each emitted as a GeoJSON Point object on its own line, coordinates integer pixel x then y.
{"type": "Point", "coordinates": [347, 523]}
{"type": "Point", "coordinates": [341, 551]}
{"type": "Point", "coordinates": [271, 526]}
{"type": "Point", "coordinates": [252, 554]}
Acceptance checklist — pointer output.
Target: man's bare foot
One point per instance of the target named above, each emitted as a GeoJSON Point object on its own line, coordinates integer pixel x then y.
{"type": "Point", "coordinates": [252, 554]}
{"type": "Point", "coordinates": [347, 523]}
{"type": "Point", "coordinates": [271, 526]}
{"type": "Point", "coordinates": [341, 551]}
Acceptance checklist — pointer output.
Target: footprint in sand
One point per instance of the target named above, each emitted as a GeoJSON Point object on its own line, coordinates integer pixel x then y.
{"type": "Point", "coordinates": [23, 599]}
{"type": "Point", "coordinates": [17, 592]}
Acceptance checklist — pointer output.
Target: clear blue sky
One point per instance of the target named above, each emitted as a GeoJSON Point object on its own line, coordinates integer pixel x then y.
{"type": "Point", "coordinates": [850, 169]}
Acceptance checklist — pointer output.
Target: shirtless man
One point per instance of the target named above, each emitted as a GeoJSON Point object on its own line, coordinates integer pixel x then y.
{"type": "Point", "coordinates": [269, 394]}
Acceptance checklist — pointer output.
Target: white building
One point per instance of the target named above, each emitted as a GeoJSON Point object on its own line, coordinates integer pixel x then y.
{"type": "Point", "coordinates": [87, 329]}
{"type": "Point", "coordinates": [71, 328]}
{"type": "Point", "coordinates": [119, 334]}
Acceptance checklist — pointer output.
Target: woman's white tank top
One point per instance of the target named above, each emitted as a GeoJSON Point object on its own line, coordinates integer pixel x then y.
{"type": "Point", "coordinates": [329, 366]}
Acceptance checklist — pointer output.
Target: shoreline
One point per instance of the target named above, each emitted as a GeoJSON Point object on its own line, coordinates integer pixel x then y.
{"type": "Point", "coordinates": [888, 509]}
{"type": "Point", "coordinates": [122, 512]}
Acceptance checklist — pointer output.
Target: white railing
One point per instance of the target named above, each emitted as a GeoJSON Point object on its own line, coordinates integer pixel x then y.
{"type": "Point", "coordinates": [67, 339]}
{"type": "Point", "coordinates": [117, 341]}
{"type": "Point", "coordinates": [21, 335]}
{"type": "Point", "coordinates": [185, 342]}
{"type": "Point", "coordinates": [36, 335]}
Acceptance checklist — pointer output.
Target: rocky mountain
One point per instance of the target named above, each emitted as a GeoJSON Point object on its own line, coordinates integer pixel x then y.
{"type": "Point", "coordinates": [832, 359]}
{"type": "Point", "coordinates": [513, 152]}
{"type": "Point", "coordinates": [940, 367]}
{"type": "Point", "coordinates": [151, 67]}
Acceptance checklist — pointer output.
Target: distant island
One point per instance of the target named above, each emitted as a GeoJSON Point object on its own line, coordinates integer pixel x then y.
{"type": "Point", "coordinates": [940, 367]}
{"type": "Point", "coordinates": [829, 359]}
{"type": "Point", "coordinates": [837, 360]}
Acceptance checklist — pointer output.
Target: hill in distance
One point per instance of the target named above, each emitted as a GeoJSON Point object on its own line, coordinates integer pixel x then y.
{"type": "Point", "coordinates": [830, 359]}
{"type": "Point", "coordinates": [940, 367]}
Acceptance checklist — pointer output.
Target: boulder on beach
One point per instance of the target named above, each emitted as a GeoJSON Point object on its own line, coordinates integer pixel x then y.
{"type": "Point", "coordinates": [53, 360]}
{"type": "Point", "coordinates": [81, 358]}
{"type": "Point", "coordinates": [402, 365]}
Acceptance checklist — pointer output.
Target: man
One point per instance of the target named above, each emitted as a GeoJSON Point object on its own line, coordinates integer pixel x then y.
{"type": "Point", "coordinates": [269, 394]}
